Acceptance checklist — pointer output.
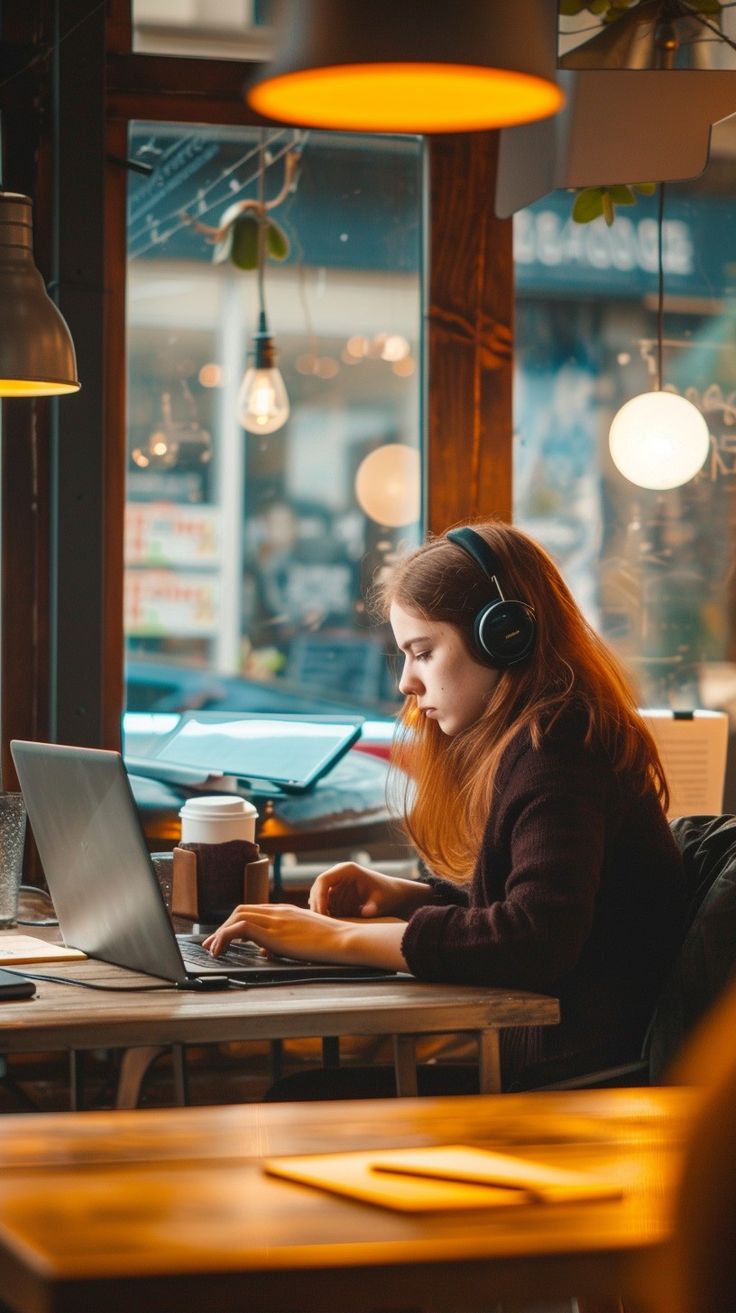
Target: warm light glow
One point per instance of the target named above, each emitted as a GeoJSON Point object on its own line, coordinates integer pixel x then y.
{"type": "Point", "coordinates": [28, 387]}
{"type": "Point", "coordinates": [357, 346]}
{"type": "Point", "coordinates": [407, 97]}
{"type": "Point", "coordinates": [395, 347]}
{"type": "Point", "coordinates": [659, 440]}
{"type": "Point", "coordinates": [211, 375]}
{"type": "Point", "coordinates": [387, 485]}
{"type": "Point", "coordinates": [263, 403]}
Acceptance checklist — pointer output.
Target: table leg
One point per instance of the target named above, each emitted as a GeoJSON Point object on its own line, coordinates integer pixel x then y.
{"type": "Point", "coordinates": [331, 1051]}
{"type": "Point", "coordinates": [133, 1067]}
{"type": "Point", "coordinates": [405, 1065]}
{"type": "Point", "coordinates": [489, 1061]}
{"type": "Point", "coordinates": [181, 1082]}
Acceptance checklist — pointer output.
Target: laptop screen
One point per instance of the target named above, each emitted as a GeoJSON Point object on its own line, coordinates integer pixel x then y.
{"type": "Point", "coordinates": [291, 751]}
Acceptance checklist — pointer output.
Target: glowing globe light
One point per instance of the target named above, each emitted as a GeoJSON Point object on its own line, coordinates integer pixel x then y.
{"type": "Point", "coordinates": [388, 485]}
{"type": "Point", "coordinates": [659, 440]}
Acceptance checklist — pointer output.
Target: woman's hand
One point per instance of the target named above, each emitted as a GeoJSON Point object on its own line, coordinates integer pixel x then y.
{"type": "Point", "coordinates": [290, 931]}
{"type": "Point", "coordinates": [352, 890]}
{"type": "Point", "coordinates": [284, 930]}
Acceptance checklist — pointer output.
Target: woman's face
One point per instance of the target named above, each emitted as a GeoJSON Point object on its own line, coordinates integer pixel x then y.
{"type": "Point", "coordinates": [449, 686]}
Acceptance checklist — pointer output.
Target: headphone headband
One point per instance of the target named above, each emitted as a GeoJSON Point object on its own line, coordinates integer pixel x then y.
{"type": "Point", "coordinates": [477, 547]}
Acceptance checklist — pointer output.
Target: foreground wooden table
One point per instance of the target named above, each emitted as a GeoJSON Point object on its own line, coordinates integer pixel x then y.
{"type": "Point", "coordinates": [168, 1211]}
{"type": "Point", "coordinates": [67, 1018]}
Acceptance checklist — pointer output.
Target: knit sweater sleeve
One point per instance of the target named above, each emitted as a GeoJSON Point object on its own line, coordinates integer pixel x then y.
{"type": "Point", "coordinates": [533, 899]}
{"type": "Point", "coordinates": [444, 891]}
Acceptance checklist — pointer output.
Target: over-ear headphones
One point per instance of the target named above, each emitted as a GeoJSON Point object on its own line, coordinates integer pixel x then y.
{"type": "Point", "coordinates": [503, 630]}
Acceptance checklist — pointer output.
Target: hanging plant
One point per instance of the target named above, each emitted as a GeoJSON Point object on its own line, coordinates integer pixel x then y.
{"type": "Point", "coordinates": [592, 202]}
{"type": "Point", "coordinates": [236, 238]}
{"type": "Point", "coordinates": [610, 10]}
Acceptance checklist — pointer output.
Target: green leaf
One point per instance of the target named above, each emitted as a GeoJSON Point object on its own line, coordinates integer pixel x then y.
{"type": "Point", "coordinates": [646, 188]}
{"type": "Point", "coordinates": [588, 205]}
{"type": "Point", "coordinates": [597, 6]}
{"type": "Point", "coordinates": [277, 243]}
{"type": "Point", "coordinates": [569, 8]}
{"type": "Point", "coordinates": [622, 195]}
{"type": "Point", "coordinates": [609, 212]}
{"type": "Point", "coordinates": [244, 244]}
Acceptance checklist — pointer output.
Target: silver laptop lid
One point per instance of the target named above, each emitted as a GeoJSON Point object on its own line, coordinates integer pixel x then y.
{"type": "Point", "coordinates": [94, 855]}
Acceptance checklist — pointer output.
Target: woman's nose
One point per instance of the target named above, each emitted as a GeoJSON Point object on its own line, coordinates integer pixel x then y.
{"type": "Point", "coordinates": [409, 682]}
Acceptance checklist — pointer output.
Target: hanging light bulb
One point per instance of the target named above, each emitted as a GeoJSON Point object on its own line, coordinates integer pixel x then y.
{"type": "Point", "coordinates": [263, 402]}
{"type": "Point", "coordinates": [36, 349]}
{"type": "Point", "coordinates": [659, 439]}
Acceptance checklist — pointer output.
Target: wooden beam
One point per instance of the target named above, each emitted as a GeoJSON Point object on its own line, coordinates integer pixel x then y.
{"type": "Point", "coordinates": [179, 90]}
{"type": "Point", "coordinates": [468, 335]}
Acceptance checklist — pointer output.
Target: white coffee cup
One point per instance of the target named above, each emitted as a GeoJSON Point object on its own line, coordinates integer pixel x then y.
{"type": "Point", "coordinates": [217, 819]}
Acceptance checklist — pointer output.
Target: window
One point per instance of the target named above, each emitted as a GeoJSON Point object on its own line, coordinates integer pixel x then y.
{"type": "Point", "coordinates": [653, 570]}
{"type": "Point", "coordinates": [248, 556]}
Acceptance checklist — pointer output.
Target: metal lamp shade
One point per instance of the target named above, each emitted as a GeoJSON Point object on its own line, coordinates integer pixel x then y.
{"type": "Point", "coordinates": [420, 66]}
{"type": "Point", "coordinates": [36, 349]}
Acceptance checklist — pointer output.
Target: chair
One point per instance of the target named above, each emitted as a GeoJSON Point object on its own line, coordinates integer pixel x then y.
{"type": "Point", "coordinates": [697, 1273]}
{"type": "Point", "coordinates": [704, 964]}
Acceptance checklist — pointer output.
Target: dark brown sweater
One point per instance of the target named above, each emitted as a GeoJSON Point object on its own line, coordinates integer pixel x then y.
{"type": "Point", "coordinates": [577, 893]}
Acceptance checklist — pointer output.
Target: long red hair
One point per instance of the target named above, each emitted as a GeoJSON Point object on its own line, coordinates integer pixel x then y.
{"type": "Point", "coordinates": [446, 792]}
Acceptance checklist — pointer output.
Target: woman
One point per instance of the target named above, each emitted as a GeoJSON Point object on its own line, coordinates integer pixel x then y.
{"type": "Point", "coordinates": [534, 794]}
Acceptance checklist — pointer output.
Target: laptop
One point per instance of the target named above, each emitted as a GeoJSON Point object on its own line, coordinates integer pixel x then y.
{"type": "Point", "coordinates": [288, 752]}
{"type": "Point", "coordinates": [100, 876]}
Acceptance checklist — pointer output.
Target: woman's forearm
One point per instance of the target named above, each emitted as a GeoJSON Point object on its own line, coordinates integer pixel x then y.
{"type": "Point", "coordinates": [376, 945]}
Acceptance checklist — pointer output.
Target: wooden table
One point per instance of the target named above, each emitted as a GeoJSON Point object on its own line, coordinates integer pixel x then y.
{"type": "Point", "coordinates": [68, 1018]}
{"type": "Point", "coordinates": [168, 1211]}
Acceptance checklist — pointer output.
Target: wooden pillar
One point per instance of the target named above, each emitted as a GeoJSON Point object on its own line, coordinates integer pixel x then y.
{"type": "Point", "coordinates": [468, 335]}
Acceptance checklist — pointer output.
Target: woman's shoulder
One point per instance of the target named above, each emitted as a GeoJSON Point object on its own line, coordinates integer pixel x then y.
{"type": "Point", "coordinates": [558, 737]}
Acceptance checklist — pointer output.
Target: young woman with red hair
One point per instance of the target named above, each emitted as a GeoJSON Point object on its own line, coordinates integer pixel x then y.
{"type": "Point", "coordinates": [534, 795]}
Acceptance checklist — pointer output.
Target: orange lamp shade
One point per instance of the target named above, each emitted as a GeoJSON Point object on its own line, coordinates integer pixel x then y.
{"type": "Point", "coordinates": [419, 66]}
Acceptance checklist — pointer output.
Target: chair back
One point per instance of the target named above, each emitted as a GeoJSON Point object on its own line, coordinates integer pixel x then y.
{"type": "Point", "coordinates": [708, 954]}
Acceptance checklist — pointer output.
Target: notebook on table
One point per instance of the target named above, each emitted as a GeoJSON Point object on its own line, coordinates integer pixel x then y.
{"type": "Point", "coordinates": [100, 876]}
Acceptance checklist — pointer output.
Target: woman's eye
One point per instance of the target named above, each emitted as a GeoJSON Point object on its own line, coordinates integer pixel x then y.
{"type": "Point", "coordinates": [423, 656]}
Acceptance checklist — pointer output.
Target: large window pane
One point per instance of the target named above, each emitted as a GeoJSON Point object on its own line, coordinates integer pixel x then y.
{"type": "Point", "coordinates": [248, 555]}
{"type": "Point", "coordinates": [653, 570]}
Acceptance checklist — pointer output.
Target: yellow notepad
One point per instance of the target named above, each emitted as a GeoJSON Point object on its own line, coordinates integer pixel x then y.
{"type": "Point", "coordinates": [26, 948]}
{"type": "Point", "coordinates": [428, 1180]}
{"type": "Point", "coordinates": [464, 1162]}
{"type": "Point", "coordinates": [352, 1174]}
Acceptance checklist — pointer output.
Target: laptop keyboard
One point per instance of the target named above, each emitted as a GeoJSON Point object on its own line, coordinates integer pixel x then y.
{"type": "Point", "coordinates": [237, 955]}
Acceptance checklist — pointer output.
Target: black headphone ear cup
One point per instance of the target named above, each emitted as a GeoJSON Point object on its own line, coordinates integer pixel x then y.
{"type": "Point", "coordinates": [504, 632]}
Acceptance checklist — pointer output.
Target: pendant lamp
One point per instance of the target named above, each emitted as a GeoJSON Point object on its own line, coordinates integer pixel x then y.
{"type": "Point", "coordinates": [36, 349]}
{"type": "Point", "coordinates": [263, 402]}
{"type": "Point", "coordinates": [420, 66]}
{"type": "Point", "coordinates": [659, 440]}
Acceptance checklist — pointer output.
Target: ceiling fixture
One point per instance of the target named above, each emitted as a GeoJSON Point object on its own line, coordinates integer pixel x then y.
{"type": "Point", "coordinates": [36, 349]}
{"type": "Point", "coordinates": [263, 402]}
{"type": "Point", "coordinates": [418, 67]}
{"type": "Point", "coordinates": [659, 439]}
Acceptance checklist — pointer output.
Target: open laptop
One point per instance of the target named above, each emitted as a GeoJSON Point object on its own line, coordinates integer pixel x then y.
{"type": "Point", "coordinates": [105, 892]}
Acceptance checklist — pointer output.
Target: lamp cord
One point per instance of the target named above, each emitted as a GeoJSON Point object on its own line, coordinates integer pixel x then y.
{"type": "Point", "coordinates": [660, 297]}
{"type": "Point", "coordinates": [261, 224]}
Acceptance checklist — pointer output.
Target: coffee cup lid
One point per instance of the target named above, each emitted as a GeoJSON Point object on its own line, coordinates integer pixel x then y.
{"type": "Point", "coordinates": [217, 807]}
